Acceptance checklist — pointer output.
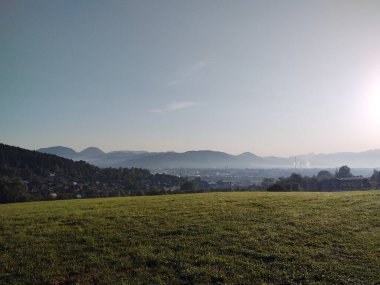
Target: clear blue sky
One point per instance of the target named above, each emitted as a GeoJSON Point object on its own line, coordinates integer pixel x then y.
{"type": "Point", "coordinates": [270, 77]}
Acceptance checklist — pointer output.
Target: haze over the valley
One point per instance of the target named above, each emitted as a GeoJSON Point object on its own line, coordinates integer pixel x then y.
{"type": "Point", "coordinates": [215, 159]}
{"type": "Point", "coordinates": [274, 78]}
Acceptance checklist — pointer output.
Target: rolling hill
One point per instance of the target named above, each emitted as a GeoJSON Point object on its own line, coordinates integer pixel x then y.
{"type": "Point", "coordinates": [215, 159]}
{"type": "Point", "coordinates": [211, 238]}
{"type": "Point", "coordinates": [41, 174]}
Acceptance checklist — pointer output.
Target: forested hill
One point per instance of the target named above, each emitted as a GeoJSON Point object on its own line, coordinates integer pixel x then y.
{"type": "Point", "coordinates": [38, 176]}
{"type": "Point", "coordinates": [16, 160]}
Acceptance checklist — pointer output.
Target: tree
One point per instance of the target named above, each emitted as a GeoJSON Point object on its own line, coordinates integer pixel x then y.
{"type": "Point", "coordinates": [90, 192]}
{"type": "Point", "coordinates": [188, 186]}
{"type": "Point", "coordinates": [295, 178]}
{"type": "Point", "coordinates": [12, 191]}
{"type": "Point", "coordinates": [324, 175]}
{"type": "Point", "coordinates": [375, 178]}
{"type": "Point", "coordinates": [276, 188]}
{"type": "Point", "coordinates": [267, 182]}
{"type": "Point", "coordinates": [343, 172]}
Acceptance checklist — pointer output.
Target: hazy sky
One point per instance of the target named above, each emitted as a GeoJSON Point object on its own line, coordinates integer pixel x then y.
{"type": "Point", "coordinates": [270, 77]}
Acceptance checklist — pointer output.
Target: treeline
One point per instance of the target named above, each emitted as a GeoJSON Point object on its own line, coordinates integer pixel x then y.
{"type": "Point", "coordinates": [29, 175]}
{"type": "Point", "coordinates": [325, 181]}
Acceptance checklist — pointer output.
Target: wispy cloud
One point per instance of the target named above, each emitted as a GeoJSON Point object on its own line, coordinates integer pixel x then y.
{"type": "Point", "coordinates": [191, 71]}
{"type": "Point", "coordinates": [175, 106]}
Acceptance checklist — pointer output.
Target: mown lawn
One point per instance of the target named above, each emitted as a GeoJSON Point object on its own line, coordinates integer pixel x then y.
{"type": "Point", "coordinates": [233, 238]}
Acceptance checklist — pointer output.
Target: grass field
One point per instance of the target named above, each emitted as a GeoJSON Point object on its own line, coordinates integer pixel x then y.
{"type": "Point", "coordinates": [233, 238]}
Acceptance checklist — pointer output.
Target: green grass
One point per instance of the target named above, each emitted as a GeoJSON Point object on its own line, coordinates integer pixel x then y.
{"type": "Point", "coordinates": [233, 238]}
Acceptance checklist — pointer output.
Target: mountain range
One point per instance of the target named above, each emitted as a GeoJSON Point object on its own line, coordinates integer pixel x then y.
{"type": "Point", "coordinates": [214, 159]}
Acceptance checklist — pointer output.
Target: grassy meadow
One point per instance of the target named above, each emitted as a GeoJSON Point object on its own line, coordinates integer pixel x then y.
{"type": "Point", "coordinates": [218, 238]}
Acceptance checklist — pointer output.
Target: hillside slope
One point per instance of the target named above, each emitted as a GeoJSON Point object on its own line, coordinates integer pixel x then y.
{"type": "Point", "coordinates": [233, 238]}
{"type": "Point", "coordinates": [47, 175]}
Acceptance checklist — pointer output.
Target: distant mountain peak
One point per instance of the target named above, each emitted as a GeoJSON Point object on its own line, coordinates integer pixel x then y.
{"type": "Point", "coordinates": [247, 154]}
{"type": "Point", "coordinates": [203, 151]}
{"type": "Point", "coordinates": [59, 151]}
{"type": "Point", "coordinates": [91, 152]}
{"type": "Point", "coordinates": [92, 149]}
{"type": "Point", "coordinates": [59, 147]}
